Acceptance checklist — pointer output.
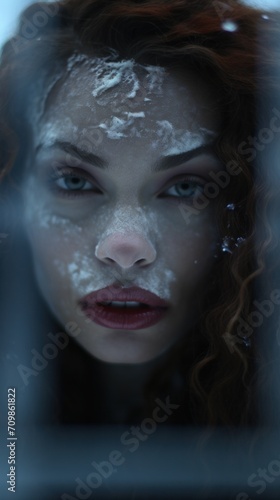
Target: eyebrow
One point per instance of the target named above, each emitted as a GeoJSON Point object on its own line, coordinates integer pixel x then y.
{"type": "Point", "coordinates": [171, 161]}
{"type": "Point", "coordinates": [77, 152]}
{"type": "Point", "coordinates": [164, 163]}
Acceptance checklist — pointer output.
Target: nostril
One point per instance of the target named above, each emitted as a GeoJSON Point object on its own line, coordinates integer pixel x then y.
{"type": "Point", "coordinates": [140, 261]}
{"type": "Point", "coordinates": [108, 259]}
{"type": "Point", "coordinates": [125, 250]}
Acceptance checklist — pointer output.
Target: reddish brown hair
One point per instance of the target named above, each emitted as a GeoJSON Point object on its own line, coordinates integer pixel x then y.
{"type": "Point", "coordinates": [239, 64]}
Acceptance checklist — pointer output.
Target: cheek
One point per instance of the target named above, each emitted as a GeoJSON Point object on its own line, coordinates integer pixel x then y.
{"type": "Point", "coordinates": [192, 238]}
{"type": "Point", "coordinates": [52, 236]}
{"type": "Point", "coordinates": [191, 249]}
{"type": "Point", "coordinates": [192, 259]}
{"type": "Point", "coordinates": [49, 245]}
{"type": "Point", "coordinates": [53, 243]}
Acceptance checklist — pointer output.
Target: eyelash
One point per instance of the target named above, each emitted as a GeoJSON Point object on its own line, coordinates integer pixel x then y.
{"type": "Point", "coordinates": [62, 174]}
{"type": "Point", "coordinates": [194, 182]}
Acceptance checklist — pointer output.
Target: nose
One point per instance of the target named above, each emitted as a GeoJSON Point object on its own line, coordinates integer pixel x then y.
{"type": "Point", "coordinates": [126, 250]}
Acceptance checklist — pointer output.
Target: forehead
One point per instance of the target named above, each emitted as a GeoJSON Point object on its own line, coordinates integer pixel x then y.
{"type": "Point", "coordinates": [125, 99]}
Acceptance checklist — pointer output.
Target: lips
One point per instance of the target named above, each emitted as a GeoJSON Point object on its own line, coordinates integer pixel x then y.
{"type": "Point", "coordinates": [124, 308]}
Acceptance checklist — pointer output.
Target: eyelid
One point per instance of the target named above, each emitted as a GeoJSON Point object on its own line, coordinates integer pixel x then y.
{"type": "Point", "coordinates": [181, 178]}
{"type": "Point", "coordinates": [63, 171]}
{"type": "Point", "coordinates": [60, 171]}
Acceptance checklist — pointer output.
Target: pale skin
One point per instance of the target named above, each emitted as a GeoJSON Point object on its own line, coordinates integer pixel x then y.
{"type": "Point", "coordinates": [123, 222]}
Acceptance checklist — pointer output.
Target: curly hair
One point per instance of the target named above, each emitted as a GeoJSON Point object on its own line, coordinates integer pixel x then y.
{"type": "Point", "coordinates": [222, 43]}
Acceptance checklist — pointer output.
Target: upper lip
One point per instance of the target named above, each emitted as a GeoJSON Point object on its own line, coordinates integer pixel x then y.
{"type": "Point", "coordinates": [116, 293]}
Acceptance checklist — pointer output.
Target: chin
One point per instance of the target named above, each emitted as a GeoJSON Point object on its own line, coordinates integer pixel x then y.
{"type": "Point", "coordinates": [125, 354]}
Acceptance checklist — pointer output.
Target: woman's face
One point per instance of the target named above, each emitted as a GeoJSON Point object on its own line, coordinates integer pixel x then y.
{"type": "Point", "coordinates": [118, 161]}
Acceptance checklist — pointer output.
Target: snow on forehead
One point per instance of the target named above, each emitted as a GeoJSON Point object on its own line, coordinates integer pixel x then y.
{"type": "Point", "coordinates": [125, 79]}
{"type": "Point", "coordinates": [107, 73]}
{"type": "Point", "coordinates": [126, 89]}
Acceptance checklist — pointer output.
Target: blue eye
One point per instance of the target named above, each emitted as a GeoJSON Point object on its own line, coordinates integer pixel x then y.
{"type": "Point", "coordinates": [185, 189]}
{"type": "Point", "coordinates": [73, 183]}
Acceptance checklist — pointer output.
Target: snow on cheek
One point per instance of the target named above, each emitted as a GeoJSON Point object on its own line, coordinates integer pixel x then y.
{"type": "Point", "coordinates": [85, 275]}
{"type": "Point", "coordinates": [62, 227]}
{"type": "Point", "coordinates": [159, 281]}
{"type": "Point", "coordinates": [41, 222]}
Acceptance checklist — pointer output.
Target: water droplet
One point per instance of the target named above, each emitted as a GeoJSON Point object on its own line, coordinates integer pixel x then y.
{"type": "Point", "coordinates": [230, 26]}
{"type": "Point", "coordinates": [225, 244]}
{"type": "Point", "coordinates": [239, 241]}
{"type": "Point", "coordinates": [231, 206]}
{"type": "Point", "coordinates": [246, 341]}
{"type": "Point", "coordinates": [264, 16]}
{"type": "Point", "coordinates": [195, 261]}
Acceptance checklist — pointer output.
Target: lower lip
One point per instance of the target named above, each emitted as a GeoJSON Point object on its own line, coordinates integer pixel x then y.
{"type": "Point", "coordinates": [124, 318]}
